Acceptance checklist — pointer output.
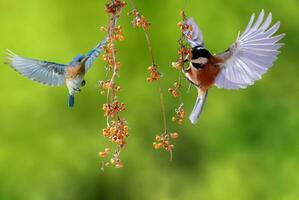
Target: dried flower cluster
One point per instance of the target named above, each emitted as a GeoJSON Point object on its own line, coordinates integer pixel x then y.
{"type": "Point", "coordinates": [139, 21]}
{"type": "Point", "coordinates": [115, 7]}
{"type": "Point", "coordinates": [154, 74]}
{"type": "Point", "coordinates": [117, 129]}
{"type": "Point", "coordinates": [108, 85]}
{"type": "Point", "coordinates": [184, 55]}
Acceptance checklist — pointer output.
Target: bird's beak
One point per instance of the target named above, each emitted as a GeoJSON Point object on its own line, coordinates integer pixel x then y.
{"type": "Point", "coordinates": [84, 59]}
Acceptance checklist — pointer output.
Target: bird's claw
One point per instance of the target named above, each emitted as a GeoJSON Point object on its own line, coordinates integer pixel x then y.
{"type": "Point", "coordinates": [77, 89]}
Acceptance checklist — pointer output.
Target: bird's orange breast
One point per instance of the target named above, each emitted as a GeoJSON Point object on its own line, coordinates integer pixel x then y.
{"type": "Point", "coordinates": [72, 72]}
{"type": "Point", "coordinates": [206, 76]}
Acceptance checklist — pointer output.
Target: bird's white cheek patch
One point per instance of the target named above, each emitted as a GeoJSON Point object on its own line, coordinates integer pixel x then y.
{"type": "Point", "coordinates": [200, 60]}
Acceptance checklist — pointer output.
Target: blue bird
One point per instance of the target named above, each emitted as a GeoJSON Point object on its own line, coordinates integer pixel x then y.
{"type": "Point", "coordinates": [54, 74]}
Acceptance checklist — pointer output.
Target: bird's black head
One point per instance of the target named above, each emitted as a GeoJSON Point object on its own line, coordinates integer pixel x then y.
{"type": "Point", "coordinates": [199, 52]}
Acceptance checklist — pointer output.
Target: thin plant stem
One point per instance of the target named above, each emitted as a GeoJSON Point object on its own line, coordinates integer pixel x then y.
{"type": "Point", "coordinates": [112, 25]}
{"type": "Point", "coordinates": [150, 48]}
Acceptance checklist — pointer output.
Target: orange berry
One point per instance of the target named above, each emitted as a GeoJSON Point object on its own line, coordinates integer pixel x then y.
{"type": "Point", "coordinates": [175, 94]}
{"type": "Point", "coordinates": [103, 29]}
{"type": "Point", "coordinates": [180, 24]}
{"type": "Point", "coordinates": [158, 138]}
{"type": "Point", "coordinates": [102, 154]}
{"type": "Point", "coordinates": [157, 145]}
{"type": "Point", "coordinates": [119, 165]}
{"type": "Point", "coordinates": [174, 135]}
{"type": "Point", "coordinates": [112, 161]}
{"type": "Point", "coordinates": [126, 128]}
{"type": "Point", "coordinates": [170, 90]}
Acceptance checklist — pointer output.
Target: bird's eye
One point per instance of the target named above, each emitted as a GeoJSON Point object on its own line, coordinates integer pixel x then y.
{"type": "Point", "coordinates": [83, 83]}
{"type": "Point", "coordinates": [197, 65]}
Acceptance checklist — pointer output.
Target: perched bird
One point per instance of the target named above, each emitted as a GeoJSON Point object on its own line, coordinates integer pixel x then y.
{"type": "Point", "coordinates": [252, 54]}
{"type": "Point", "coordinates": [54, 74]}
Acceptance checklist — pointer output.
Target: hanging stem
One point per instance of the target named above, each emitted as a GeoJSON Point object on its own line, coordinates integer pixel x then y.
{"type": "Point", "coordinates": [154, 65]}
{"type": "Point", "coordinates": [117, 129]}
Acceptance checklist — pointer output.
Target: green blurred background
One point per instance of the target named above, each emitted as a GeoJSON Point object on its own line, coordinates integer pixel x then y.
{"type": "Point", "coordinates": [246, 145]}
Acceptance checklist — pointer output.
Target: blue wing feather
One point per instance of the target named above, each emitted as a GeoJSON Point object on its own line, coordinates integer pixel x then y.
{"type": "Point", "coordinates": [93, 54]}
{"type": "Point", "coordinates": [47, 73]}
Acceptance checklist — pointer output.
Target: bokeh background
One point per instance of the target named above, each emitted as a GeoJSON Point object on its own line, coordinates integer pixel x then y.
{"type": "Point", "coordinates": [246, 145]}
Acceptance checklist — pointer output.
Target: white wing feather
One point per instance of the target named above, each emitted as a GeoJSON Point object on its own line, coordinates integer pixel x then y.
{"type": "Point", "coordinates": [47, 73]}
{"type": "Point", "coordinates": [197, 36]}
{"type": "Point", "coordinates": [251, 55]}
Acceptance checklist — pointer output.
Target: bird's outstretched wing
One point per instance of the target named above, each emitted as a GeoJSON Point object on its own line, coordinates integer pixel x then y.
{"type": "Point", "coordinates": [251, 55]}
{"type": "Point", "coordinates": [196, 35]}
{"type": "Point", "coordinates": [47, 73]}
{"type": "Point", "coordinates": [93, 54]}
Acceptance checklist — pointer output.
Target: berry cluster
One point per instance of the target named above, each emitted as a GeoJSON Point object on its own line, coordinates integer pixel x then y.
{"type": "Point", "coordinates": [117, 133]}
{"type": "Point", "coordinates": [118, 34]}
{"type": "Point", "coordinates": [115, 160]}
{"type": "Point", "coordinates": [109, 55]}
{"type": "Point", "coordinates": [180, 114]}
{"type": "Point", "coordinates": [186, 28]}
{"type": "Point", "coordinates": [164, 141]}
{"type": "Point", "coordinates": [108, 85]}
{"type": "Point", "coordinates": [175, 90]}
{"type": "Point", "coordinates": [139, 21]}
{"type": "Point", "coordinates": [104, 153]}
{"type": "Point", "coordinates": [115, 7]}
{"type": "Point", "coordinates": [154, 74]}
{"type": "Point", "coordinates": [112, 109]}
{"type": "Point", "coordinates": [117, 129]}
{"type": "Point", "coordinates": [184, 55]}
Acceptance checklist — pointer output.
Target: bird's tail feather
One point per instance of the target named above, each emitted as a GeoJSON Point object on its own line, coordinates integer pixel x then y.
{"type": "Point", "coordinates": [71, 101]}
{"type": "Point", "coordinates": [200, 101]}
